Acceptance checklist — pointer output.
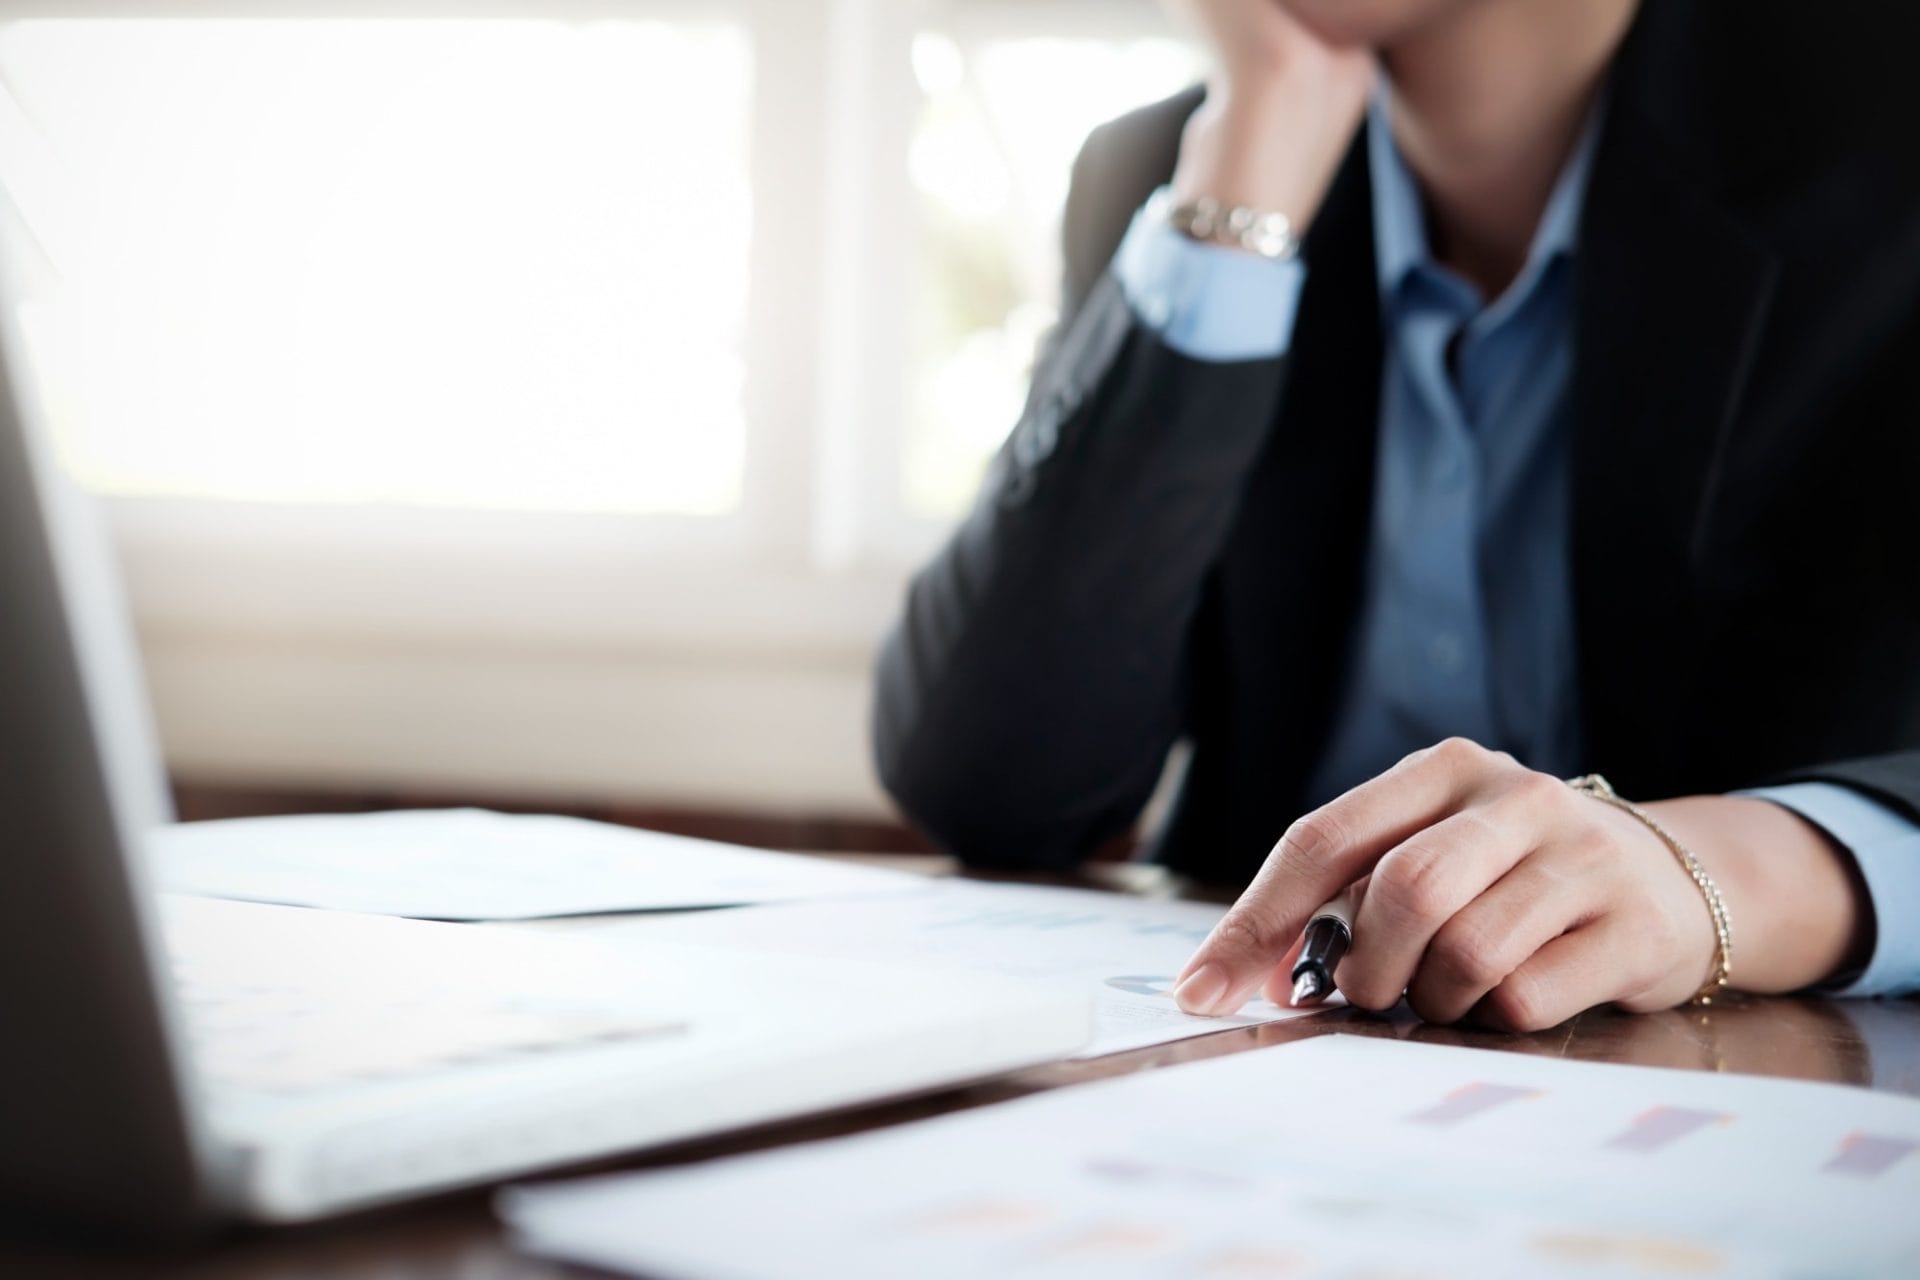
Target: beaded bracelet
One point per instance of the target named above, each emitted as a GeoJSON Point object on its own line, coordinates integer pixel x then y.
{"type": "Point", "coordinates": [1599, 788]}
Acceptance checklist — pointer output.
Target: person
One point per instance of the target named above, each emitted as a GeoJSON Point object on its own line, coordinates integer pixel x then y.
{"type": "Point", "coordinates": [1579, 434]}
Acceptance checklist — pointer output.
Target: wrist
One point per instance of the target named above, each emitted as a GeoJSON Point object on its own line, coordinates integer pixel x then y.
{"type": "Point", "coordinates": [1269, 143]}
{"type": "Point", "coordinates": [1237, 152]}
{"type": "Point", "coordinates": [1794, 900]}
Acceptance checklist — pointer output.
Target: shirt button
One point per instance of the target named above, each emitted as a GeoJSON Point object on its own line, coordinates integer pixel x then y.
{"type": "Point", "coordinates": [1447, 653]}
{"type": "Point", "coordinates": [1156, 311]}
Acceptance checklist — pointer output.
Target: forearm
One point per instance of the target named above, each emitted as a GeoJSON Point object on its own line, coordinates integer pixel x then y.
{"type": "Point", "coordinates": [1029, 693]}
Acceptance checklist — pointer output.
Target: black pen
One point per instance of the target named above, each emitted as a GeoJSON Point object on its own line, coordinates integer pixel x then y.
{"type": "Point", "coordinates": [1329, 934]}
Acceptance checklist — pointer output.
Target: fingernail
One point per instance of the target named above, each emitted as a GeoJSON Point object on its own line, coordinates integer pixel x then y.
{"type": "Point", "coordinates": [1202, 989]}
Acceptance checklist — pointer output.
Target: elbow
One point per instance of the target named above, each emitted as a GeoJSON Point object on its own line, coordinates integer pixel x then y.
{"type": "Point", "coordinates": [934, 771]}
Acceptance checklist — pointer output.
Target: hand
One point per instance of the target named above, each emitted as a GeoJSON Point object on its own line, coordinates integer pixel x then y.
{"type": "Point", "coordinates": [1502, 893]}
{"type": "Point", "coordinates": [1281, 110]}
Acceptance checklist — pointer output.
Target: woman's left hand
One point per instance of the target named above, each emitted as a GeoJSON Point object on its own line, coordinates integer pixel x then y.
{"type": "Point", "coordinates": [1499, 893]}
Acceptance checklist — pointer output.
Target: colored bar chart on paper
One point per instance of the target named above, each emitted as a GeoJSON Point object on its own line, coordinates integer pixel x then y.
{"type": "Point", "coordinates": [1660, 1127]}
{"type": "Point", "coordinates": [1868, 1155]}
{"type": "Point", "coordinates": [1400, 1160]}
{"type": "Point", "coordinates": [1469, 1101]}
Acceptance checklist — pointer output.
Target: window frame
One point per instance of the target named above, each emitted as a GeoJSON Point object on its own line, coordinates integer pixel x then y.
{"type": "Point", "coordinates": [718, 659]}
{"type": "Point", "coordinates": [822, 518]}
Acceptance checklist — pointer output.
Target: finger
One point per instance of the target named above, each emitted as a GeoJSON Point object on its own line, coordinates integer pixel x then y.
{"type": "Point", "coordinates": [1499, 932]}
{"type": "Point", "coordinates": [1418, 887]}
{"type": "Point", "coordinates": [1320, 855]}
{"type": "Point", "coordinates": [1278, 988]}
{"type": "Point", "coordinates": [1569, 975]}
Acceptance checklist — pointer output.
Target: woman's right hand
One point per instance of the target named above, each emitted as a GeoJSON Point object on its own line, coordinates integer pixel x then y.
{"type": "Point", "coordinates": [1281, 110]}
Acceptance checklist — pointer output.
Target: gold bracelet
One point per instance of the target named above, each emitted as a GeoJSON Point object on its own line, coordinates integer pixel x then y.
{"type": "Point", "coordinates": [1599, 788]}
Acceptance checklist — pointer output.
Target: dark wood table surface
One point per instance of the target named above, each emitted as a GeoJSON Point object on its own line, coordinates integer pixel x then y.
{"type": "Point", "coordinates": [1869, 1043]}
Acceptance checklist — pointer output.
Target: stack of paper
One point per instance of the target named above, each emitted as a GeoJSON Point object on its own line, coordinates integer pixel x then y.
{"type": "Point", "coordinates": [1336, 1156]}
{"type": "Point", "coordinates": [469, 864]}
{"type": "Point", "coordinates": [1124, 951]}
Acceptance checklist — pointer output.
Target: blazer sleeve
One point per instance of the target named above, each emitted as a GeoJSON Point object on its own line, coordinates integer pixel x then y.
{"type": "Point", "coordinates": [1028, 694]}
{"type": "Point", "coordinates": [1893, 780]}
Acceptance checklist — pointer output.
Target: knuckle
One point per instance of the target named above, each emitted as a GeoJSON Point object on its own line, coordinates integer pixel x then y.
{"type": "Point", "coordinates": [1311, 845]}
{"type": "Point", "coordinates": [1540, 790]}
{"type": "Point", "coordinates": [1517, 1005]}
{"type": "Point", "coordinates": [1527, 800]}
{"type": "Point", "coordinates": [1364, 990]}
{"type": "Point", "coordinates": [1246, 932]}
{"type": "Point", "coordinates": [1476, 828]}
{"type": "Point", "coordinates": [1590, 849]}
{"type": "Point", "coordinates": [1464, 954]}
{"type": "Point", "coordinates": [1412, 882]}
{"type": "Point", "coordinates": [1457, 754]}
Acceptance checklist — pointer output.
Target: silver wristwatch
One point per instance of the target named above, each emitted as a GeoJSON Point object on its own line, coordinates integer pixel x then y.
{"type": "Point", "coordinates": [1262, 231]}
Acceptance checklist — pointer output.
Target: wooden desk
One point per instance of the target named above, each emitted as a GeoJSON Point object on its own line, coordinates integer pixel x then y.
{"type": "Point", "coordinates": [1872, 1043]}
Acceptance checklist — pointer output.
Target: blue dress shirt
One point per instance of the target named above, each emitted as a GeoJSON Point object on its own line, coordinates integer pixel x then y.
{"type": "Point", "coordinates": [1466, 625]}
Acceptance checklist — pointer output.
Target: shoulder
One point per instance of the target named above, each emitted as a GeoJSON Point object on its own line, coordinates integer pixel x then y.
{"type": "Point", "coordinates": [1772, 98]}
{"type": "Point", "coordinates": [1795, 122]}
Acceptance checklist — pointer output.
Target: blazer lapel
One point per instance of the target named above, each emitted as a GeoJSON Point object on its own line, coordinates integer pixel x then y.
{"type": "Point", "coordinates": [1294, 569]}
{"type": "Point", "coordinates": [1672, 296]}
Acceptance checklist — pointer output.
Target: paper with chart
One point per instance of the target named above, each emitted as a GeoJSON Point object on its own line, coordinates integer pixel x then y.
{"type": "Point", "coordinates": [1126, 950]}
{"type": "Point", "coordinates": [470, 864]}
{"type": "Point", "coordinates": [1338, 1155]}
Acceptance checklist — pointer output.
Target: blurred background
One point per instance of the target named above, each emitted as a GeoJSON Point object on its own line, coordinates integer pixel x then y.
{"type": "Point", "coordinates": [541, 403]}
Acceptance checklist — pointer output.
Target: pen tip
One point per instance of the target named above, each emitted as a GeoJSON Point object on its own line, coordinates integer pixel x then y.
{"type": "Point", "coordinates": [1306, 988]}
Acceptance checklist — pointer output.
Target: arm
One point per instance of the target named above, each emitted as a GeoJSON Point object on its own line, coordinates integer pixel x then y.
{"type": "Point", "coordinates": [1884, 844]}
{"type": "Point", "coordinates": [1501, 894]}
{"type": "Point", "coordinates": [1027, 697]}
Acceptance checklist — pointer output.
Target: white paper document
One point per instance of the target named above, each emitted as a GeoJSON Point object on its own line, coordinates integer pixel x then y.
{"type": "Point", "coordinates": [1336, 1156]}
{"type": "Point", "coordinates": [1125, 950]}
{"type": "Point", "coordinates": [470, 864]}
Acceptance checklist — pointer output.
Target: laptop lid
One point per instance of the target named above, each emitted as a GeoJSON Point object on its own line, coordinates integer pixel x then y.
{"type": "Point", "coordinates": [94, 1122]}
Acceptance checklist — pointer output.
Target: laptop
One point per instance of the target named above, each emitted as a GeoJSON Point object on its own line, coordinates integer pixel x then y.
{"type": "Point", "coordinates": [171, 1062]}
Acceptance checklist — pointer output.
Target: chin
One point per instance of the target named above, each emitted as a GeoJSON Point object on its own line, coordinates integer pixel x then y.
{"type": "Point", "coordinates": [1373, 24]}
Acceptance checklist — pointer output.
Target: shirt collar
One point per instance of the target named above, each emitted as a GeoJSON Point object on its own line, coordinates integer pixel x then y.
{"type": "Point", "coordinates": [1399, 221]}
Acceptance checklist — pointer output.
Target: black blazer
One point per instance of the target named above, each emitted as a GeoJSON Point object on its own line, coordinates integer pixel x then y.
{"type": "Point", "coordinates": [1168, 548]}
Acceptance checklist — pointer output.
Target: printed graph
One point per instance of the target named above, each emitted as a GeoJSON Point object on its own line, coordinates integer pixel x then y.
{"type": "Point", "coordinates": [1868, 1155]}
{"type": "Point", "coordinates": [1142, 985]}
{"type": "Point", "coordinates": [1660, 1127]}
{"type": "Point", "coordinates": [1252, 1262]}
{"type": "Point", "coordinates": [1108, 1241]}
{"type": "Point", "coordinates": [1471, 1100]}
{"type": "Point", "coordinates": [1658, 1255]}
{"type": "Point", "coordinates": [982, 1217]}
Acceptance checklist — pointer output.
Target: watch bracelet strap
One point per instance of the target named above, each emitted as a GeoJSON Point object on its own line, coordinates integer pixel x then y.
{"type": "Point", "coordinates": [1267, 233]}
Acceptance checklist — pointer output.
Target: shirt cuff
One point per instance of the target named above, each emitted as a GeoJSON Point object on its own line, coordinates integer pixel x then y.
{"type": "Point", "coordinates": [1886, 848]}
{"type": "Point", "coordinates": [1207, 301]}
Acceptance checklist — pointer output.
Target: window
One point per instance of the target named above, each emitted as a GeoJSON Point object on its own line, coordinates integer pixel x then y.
{"type": "Point", "coordinates": [540, 392]}
{"type": "Point", "coordinates": [514, 257]}
{"type": "Point", "coordinates": [412, 262]}
{"type": "Point", "coordinates": [997, 134]}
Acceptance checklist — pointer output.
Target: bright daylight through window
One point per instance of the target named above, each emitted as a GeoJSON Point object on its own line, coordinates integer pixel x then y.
{"type": "Point", "coordinates": [508, 263]}
{"type": "Point", "coordinates": [488, 264]}
{"type": "Point", "coordinates": [996, 139]}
